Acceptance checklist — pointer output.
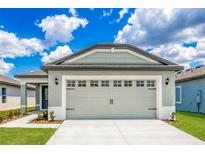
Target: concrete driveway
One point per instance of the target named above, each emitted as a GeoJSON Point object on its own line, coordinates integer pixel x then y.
{"type": "Point", "coordinates": [120, 132]}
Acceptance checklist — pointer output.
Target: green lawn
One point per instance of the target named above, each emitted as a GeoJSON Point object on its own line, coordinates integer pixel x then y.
{"type": "Point", "coordinates": [25, 136]}
{"type": "Point", "coordinates": [192, 123]}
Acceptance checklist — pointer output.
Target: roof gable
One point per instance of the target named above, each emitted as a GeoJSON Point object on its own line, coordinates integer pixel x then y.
{"type": "Point", "coordinates": [141, 54]}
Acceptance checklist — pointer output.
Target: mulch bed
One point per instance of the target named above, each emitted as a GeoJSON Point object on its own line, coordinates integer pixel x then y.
{"type": "Point", "coordinates": [36, 121]}
{"type": "Point", "coordinates": [11, 119]}
{"type": "Point", "coordinates": [171, 122]}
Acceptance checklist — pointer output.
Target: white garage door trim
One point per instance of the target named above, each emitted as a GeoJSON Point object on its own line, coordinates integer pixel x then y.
{"type": "Point", "coordinates": [158, 79]}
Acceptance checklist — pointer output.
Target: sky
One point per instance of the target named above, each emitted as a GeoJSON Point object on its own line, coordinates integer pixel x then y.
{"type": "Point", "coordinates": [30, 38]}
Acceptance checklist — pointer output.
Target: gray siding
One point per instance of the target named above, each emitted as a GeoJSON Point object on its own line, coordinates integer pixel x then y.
{"type": "Point", "coordinates": [189, 89]}
{"type": "Point", "coordinates": [168, 91]}
{"type": "Point", "coordinates": [108, 57]}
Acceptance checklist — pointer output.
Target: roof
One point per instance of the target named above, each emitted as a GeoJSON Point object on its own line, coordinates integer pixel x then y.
{"type": "Point", "coordinates": [39, 74]}
{"type": "Point", "coordinates": [165, 64]}
{"type": "Point", "coordinates": [191, 74]}
{"type": "Point", "coordinates": [12, 82]}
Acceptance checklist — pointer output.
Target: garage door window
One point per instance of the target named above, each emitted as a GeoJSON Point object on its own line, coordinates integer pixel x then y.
{"type": "Point", "coordinates": [140, 83]}
{"type": "Point", "coordinates": [94, 83]}
{"type": "Point", "coordinates": [128, 83]}
{"type": "Point", "coordinates": [71, 83]}
{"type": "Point", "coordinates": [81, 83]}
{"type": "Point", "coordinates": [104, 83]}
{"type": "Point", "coordinates": [150, 83]}
{"type": "Point", "coordinates": [117, 83]}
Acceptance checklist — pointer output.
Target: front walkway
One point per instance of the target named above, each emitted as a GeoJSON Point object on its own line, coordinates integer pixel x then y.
{"type": "Point", "coordinates": [23, 123]}
{"type": "Point", "coordinates": [135, 132]}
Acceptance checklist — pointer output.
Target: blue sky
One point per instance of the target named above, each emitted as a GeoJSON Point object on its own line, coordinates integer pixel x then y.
{"type": "Point", "coordinates": [30, 38]}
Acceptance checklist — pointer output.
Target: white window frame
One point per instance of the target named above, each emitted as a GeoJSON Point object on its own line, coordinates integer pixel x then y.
{"type": "Point", "coordinates": [180, 87]}
{"type": "Point", "coordinates": [5, 95]}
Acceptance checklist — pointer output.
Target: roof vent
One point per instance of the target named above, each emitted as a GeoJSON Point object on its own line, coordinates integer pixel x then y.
{"type": "Point", "coordinates": [112, 50]}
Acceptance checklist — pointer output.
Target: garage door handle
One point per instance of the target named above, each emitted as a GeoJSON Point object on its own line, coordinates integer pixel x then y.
{"type": "Point", "coordinates": [70, 109]}
{"type": "Point", "coordinates": [151, 108]}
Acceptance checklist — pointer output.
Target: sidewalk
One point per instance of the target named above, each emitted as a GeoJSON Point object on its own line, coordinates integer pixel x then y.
{"type": "Point", "coordinates": [23, 123]}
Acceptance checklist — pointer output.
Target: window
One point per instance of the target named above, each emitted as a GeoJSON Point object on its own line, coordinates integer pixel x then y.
{"type": "Point", "coordinates": [178, 94]}
{"type": "Point", "coordinates": [104, 83]}
{"type": "Point", "coordinates": [94, 83]}
{"type": "Point", "coordinates": [3, 95]}
{"type": "Point", "coordinates": [128, 83]}
{"type": "Point", "coordinates": [140, 83]}
{"type": "Point", "coordinates": [150, 83]}
{"type": "Point", "coordinates": [117, 84]}
{"type": "Point", "coordinates": [82, 83]}
{"type": "Point", "coordinates": [71, 83]}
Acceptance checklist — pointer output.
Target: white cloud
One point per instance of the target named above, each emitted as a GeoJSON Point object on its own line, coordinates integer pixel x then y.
{"type": "Point", "coordinates": [107, 13]}
{"type": "Point", "coordinates": [60, 51]}
{"type": "Point", "coordinates": [5, 67]}
{"type": "Point", "coordinates": [121, 14]}
{"type": "Point", "coordinates": [11, 46]}
{"type": "Point", "coordinates": [73, 12]}
{"type": "Point", "coordinates": [182, 55]}
{"type": "Point", "coordinates": [59, 28]}
{"type": "Point", "coordinates": [154, 27]}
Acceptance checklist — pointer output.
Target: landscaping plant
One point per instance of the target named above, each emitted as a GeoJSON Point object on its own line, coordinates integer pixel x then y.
{"type": "Point", "coordinates": [52, 115]}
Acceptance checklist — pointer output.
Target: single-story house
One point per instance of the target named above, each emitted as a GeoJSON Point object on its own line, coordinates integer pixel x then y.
{"type": "Point", "coordinates": [10, 94]}
{"type": "Point", "coordinates": [105, 81]}
{"type": "Point", "coordinates": [190, 90]}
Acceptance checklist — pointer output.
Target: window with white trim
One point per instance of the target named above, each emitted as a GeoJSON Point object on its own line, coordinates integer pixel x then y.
{"type": "Point", "coordinates": [104, 83]}
{"type": "Point", "coordinates": [150, 83]}
{"type": "Point", "coordinates": [3, 95]}
{"type": "Point", "coordinates": [178, 95]}
{"type": "Point", "coordinates": [128, 83]}
{"type": "Point", "coordinates": [140, 83]}
{"type": "Point", "coordinates": [81, 83]}
{"type": "Point", "coordinates": [94, 83]}
{"type": "Point", "coordinates": [71, 83]}
{"type": "Point", "coordinates": [117, 83]}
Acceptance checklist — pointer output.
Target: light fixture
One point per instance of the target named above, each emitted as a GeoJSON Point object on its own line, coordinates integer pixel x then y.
{"type": "Point", "coordinates": [167, 81]}
{"type": "Point", "coordinates": [56, 81]}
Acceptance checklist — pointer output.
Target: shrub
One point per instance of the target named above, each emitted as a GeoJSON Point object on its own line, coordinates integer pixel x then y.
{"type": "Point", "coordinates": [1, 118]}
{"type": "Point", "coordinates": [16, 112]}
{"type": "Point", "coordinates": [172, 116]}
{"type": "Point", "coordinates": [11, 114]}
{"type": "Point", "coordinates": [52, 115]}
{"type": "Point", "coordinates": [43, 115]}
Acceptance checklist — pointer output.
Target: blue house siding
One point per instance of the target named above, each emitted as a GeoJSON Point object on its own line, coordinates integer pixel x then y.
{"type": "Point", "coordinates": [188, 92]}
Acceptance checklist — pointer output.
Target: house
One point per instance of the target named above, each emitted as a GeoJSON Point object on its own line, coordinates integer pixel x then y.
{"type": "Point", "coordinates": [105, 81]}
{"type": "Point", "coordinates": [190, 90]}
{"type": "Point", "coordinates": [10, 94]}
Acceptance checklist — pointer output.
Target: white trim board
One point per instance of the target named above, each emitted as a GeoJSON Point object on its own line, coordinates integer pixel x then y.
{"type": "Point", "coordinates": [179, 102]}
{"type": "Point", "coordinates": [158, 79]}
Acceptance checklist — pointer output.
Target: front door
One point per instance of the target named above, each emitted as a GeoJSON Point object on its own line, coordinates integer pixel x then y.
{"type": "Point", "coordinates": [44, 97]}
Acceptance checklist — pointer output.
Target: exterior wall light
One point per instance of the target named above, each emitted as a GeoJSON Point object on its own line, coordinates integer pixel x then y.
{"type": "Point", "coordinates": [56, 81]}
{"type": "Point", "coordinates": [167, 81]}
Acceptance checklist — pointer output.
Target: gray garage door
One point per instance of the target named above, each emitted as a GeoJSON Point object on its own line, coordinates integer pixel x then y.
{"type": "Point", "coordinates": [111, 99]}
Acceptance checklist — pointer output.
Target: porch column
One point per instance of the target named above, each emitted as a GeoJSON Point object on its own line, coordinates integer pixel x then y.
{"type": "Point", "coordinates": [37, 97]}
{"type": "Point", "coordinates": [23, 106]}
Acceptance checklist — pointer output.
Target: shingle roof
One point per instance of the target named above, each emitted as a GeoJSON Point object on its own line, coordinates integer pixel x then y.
{"type": "Point", "coordinates": [39, 73]}
{"type": "Point", "coordinates": [8, 81]}
{"type": "Point", "coordinates": [165, 64]}
{"type": "Point", "coordinates": [191, 74]}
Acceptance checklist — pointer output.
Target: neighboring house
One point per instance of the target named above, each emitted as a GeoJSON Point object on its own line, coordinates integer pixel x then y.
{"type": "Point", "coordinates": [10, 94]}
{"type": "Point", "coordinates": [106, 81]}
{"type": "Point", "coordinates": [190, 90]}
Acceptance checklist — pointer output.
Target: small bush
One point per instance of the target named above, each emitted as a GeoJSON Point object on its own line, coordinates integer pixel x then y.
{"type": "Point", "coordinates": [11, 115]}
{"type": "Point", "coordinates": [43, 115]}
{"type": "Point", "coordinates": [1, 118]}
{"type": "Point", "coordinates": [52, 115]}
{"type": "Point", "coordinates": [16, 112]}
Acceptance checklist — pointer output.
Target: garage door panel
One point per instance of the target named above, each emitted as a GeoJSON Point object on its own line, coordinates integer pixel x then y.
{"type": "Point", "coordinates": [127, 102]}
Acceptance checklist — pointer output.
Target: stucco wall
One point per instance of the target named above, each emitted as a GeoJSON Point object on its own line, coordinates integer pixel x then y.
{"type": "Point", "coordinates": [189, 89]}
{"type": "Point", "coordinates": [55, 91]}
{"type": "Point", "coordinates": [13, 98]}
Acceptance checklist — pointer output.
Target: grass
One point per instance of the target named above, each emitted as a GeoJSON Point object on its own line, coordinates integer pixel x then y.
{"type": "Point", "coordinates": [25, 136]}
{"type": "Point", "coordinates": [192, 123]}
